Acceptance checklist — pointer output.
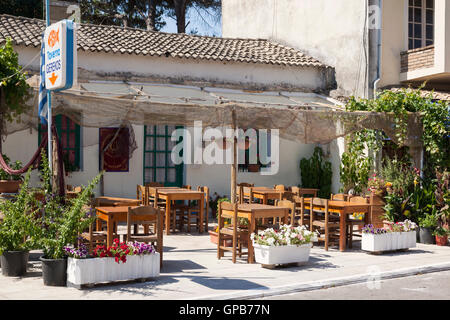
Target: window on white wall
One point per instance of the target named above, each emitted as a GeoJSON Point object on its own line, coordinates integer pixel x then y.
{"type": "Point", "coordinates": [420, 23]}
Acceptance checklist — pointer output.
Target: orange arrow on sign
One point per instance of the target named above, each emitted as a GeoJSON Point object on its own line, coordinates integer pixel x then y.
{"type": "Point", "coordinates": [53, 78]}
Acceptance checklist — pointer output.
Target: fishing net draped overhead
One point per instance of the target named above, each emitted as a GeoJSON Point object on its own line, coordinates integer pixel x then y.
{"type": "Point", "coordinates": [301, 118]}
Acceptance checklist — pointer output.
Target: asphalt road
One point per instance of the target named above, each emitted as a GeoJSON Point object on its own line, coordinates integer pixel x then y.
{"type": "Point", "coordinates": [430, 286]}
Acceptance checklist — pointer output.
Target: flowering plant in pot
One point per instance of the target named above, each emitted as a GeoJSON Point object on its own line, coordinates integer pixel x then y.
{"type": "Point", "coordinates": [19, 230]}
{"type": "Point", "coordinates": [121, 261]}
{"type": "Point", "coordinates": [395, 236]}
{"type": "Point", "coordinates": [288, 244]}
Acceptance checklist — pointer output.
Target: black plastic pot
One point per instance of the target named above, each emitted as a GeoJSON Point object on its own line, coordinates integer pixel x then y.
{"type": "Point", "coordinates": [426, 236]}
{"type": "Point", "coordinates": [14, 263]}
{"type": "Point", "coordinates": [54, 271]}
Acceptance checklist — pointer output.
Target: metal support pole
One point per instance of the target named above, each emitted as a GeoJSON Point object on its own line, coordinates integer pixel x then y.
{"type": "Point", "coordinates": [49, 103]}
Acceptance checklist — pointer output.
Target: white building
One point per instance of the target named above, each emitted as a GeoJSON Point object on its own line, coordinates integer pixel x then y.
{"type": "Point", "coordinates": [110, 56]}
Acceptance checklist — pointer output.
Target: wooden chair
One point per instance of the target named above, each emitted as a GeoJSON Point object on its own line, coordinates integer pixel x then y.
{"type": "Point", "coordinates": [94, 238]}
{"type": "Point", "coordinates": [304, 191]}
{"type": "Point", "coordinates": [243, 198]}
{"type": "Point", "coordinates": [327, 223]}
{"type": "Point", "coordinates": [240, 237]}
{"type": "Point", "coordinates": [339, 197]}
{"type": "Point", "coordinates": [352, 222]}
{"type": "Point", "coordinates": [287, 204]}
{"type": "Point", "coordinates": [303, 216]}
{"type": "Point", "coordinates": [194, 211]}
{"type": "Point", "coordinates": [146, 215]}
{"type": "Point", "coordinates": [150, 198]}
{"type": "Point", "coordinates": [280, 187]}
{"type": "Point", "coordinates": [142, 194]}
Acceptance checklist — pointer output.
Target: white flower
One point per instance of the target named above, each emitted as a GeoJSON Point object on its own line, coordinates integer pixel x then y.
{"type": "Point", "coordinates": [271, 241]}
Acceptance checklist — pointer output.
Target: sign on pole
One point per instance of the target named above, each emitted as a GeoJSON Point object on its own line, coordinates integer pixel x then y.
{"type": "Point", "coordinates": [60, 55]}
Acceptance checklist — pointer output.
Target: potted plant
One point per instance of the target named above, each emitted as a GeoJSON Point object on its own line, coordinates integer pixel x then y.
{"type": "Point", "coordinates": [62, 222]}
{"type": "Point", "coordinates": [121, 261]}
{"type": "Point", "coordinates": [427, 225]}
{"type": "Point", "coordinates": [287, 245]}
{"type": "Point", "coordinates": [10, 183]}
{"type": "Point", "coordinates": [395, 236]}
{"type": "Point", "coordinates": [19, 231]}
{"type": "Point", "coordinates": [441, 235]}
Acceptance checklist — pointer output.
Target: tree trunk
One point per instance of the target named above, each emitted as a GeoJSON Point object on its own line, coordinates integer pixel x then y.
{"type": "Point", "coordinates": [151, 18]}
{"type": "Point", "coordinates": [180, 12]}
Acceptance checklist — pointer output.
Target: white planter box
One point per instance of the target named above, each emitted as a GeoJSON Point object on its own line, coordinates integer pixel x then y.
{"type": "Point", "coordinates": [97, 270]}
{"type": "Point", "coordinates": [388, 241]}
{"type": "Point", "coordinates": [281, 254]}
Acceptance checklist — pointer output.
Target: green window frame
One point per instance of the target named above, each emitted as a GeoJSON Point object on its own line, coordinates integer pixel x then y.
{"type": "Point", "coordinates": [69, 134]}
{"type": "Point", "coordinates": [157, 164]}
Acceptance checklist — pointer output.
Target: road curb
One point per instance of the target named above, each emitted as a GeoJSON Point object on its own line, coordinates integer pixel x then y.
{"type": "Point", "coordinates": [334, 282]}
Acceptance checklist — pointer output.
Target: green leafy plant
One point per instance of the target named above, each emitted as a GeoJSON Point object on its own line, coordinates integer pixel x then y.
{"type": "Point", "coordinates": [441, 232]}
{"type": "Point", "coordinates": [317, 173]}
{"type": "Point", "coordinates": [13, 86]}
{"type": "Point", "coordinates": [62, 221]}
{"type": "Point", "coordinates": [16, 166]}
{"type": "Point", "coordinates": [442, 194]}
{"type": "Point", "coordinates": [20, 229]}
{"type": "Point", "coordinates": [428, 221]}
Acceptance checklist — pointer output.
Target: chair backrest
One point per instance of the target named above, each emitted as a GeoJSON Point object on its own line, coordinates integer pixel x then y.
{"type": "Point", "coordinates": [77, 189]}
{"type": "Point", "coordinates": [288, 195]}
{"type": "Point", "coordinates": [304, 191]}
{"type": "Point", "coordinates": [280, 187]}
{"type": "Point", "coordinates": [143, 215]}
{"type": "Point", "coordinates": [245, 184]}
{"type": "Point", "coordinates": [319, 202]}
{"type": "Point", "coordinates": [358, 199]}
{"type": "Point", "coordinates": [189, 187]}
{"type": "Point", "coordinates": [69, 187]}
{"type": "Point", "coordinates": [225, 205]}
{"type": "Point", "coordinates": [287, 204]}
{"type": "Point", "coordinates": [141, 194]}
{"type": "Point", "coordinates": [242, 191]}
{"type": "Point", "coordinates": [339, 197]}
{"type": "Point", "coordinates": [154, 184]}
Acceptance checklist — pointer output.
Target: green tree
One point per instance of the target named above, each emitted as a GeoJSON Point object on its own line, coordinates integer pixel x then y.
{"type": "Point", "coordinates": [13, 86]}
{"type": "Point", "coordinates": [24, 8]}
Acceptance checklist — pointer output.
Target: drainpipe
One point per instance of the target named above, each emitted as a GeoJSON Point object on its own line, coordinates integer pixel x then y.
{"type": "Point", "coordinates": [379, 47]}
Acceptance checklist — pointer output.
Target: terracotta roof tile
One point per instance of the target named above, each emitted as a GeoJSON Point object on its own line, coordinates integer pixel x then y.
{"type": "Point", "coordinates": [99, 38]}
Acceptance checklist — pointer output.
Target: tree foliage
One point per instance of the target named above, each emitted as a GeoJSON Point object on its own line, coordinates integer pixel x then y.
{"type": "Point", "coordinates": [13, 85]}
{"type": "Point", "coordinates": [24, 8]}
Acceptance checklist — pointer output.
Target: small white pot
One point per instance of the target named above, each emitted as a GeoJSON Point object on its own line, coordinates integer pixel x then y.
{"type": "Point", "coordinates": [281, 254]}
{"type": "Point", "coordinates": [98, 270]}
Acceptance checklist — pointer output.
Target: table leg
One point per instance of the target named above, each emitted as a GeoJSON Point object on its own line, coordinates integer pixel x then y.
{"type": "Point", "coordinates": [202, 208]}
{"type": "Point", "coordinates": [343, 231]}
{"type": "Point", "coordinates": [167, 215]}
{"type": "Point", "coordinates": [109, 236]}
{"type": "Point", "coordinates": [252, 228]}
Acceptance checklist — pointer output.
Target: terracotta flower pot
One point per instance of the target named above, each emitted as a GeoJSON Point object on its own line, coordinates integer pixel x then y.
{"type": "Point", "coordinates": [441, 240]}
{"type": "Point", "coordinates": [214, 237]}
{"type": "Point", "coordinates": [9, 186]}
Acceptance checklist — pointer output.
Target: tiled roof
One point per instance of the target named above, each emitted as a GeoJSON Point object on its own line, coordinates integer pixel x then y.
{"type": "Point", "coordinates": [99, 38]}
{"type": "Point", "coordinates": [438, 95]}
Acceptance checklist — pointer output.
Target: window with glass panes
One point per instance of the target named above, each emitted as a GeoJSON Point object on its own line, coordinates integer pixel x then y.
{"type": "Point", "coordinates": [158, 165]}
{"type": "Point", "coordinates": [70, 135]}
{"type": "Point", "coordinates": [420, 23]}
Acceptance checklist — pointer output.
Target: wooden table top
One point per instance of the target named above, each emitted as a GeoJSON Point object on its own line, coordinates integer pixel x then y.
{"type": "Point", "coordinates": [340, 204]}
{"type": "Point", "coordinates": [256, 207]}
{"type": "Point", "coordinates": [166, 191]}
{"type": "Point", "coordinates": [112, 210]}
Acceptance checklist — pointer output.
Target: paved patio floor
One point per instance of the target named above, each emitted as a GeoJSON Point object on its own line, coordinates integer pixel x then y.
{"type": "Point", "coordinates": [192, 271]}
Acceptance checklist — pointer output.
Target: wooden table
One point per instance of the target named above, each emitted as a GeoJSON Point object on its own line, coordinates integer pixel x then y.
{"type": "Point", "coordinates": [344, 208]}
{"type": "Point", "coordinates": [253, 211]}
{"type": "Point", "coordinates": [112, 215]}
{"type": "Point", "coordinates": [265, 194]}
{"type": "Point", "coordinates": [115, 201]}
{"type": "Point", "coordinates": [170, 194]}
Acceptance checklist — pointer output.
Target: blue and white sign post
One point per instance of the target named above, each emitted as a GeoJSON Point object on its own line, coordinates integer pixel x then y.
{"type": "Point", "coordinates": [58, 66]}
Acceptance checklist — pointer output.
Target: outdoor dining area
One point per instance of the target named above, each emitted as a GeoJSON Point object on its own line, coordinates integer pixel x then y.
{"type": "Point", "coordinates": [159, 211]}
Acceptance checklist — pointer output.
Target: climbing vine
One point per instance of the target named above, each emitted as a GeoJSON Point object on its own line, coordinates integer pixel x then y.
{"type": "Point", "coordinates": [356, 165]}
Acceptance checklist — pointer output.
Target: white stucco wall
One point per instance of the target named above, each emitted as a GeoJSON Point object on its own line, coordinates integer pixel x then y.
{"type": "Point", "coordinates": [21, 145]}
{"type": "Point", "coordinates": [331, 31]}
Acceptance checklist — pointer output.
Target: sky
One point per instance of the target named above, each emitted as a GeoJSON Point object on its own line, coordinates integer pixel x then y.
{"type": "Point", "coordinates": [205, 27]}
